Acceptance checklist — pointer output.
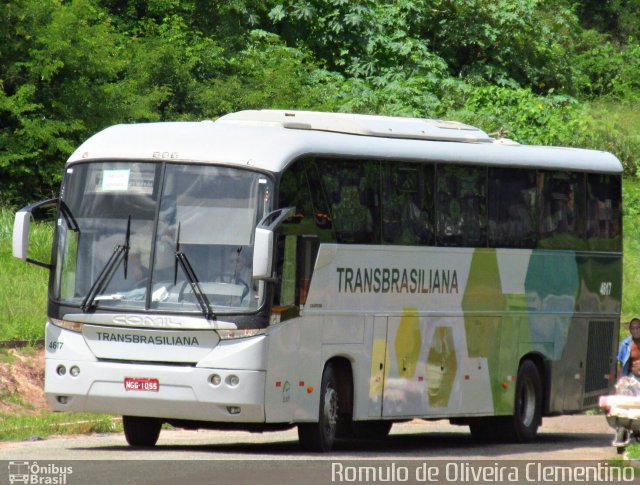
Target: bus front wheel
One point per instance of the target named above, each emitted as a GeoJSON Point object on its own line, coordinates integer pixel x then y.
{"type": "Point", "coordinates": [321, 435]}
{"type": "Point", "coordinates": [140, 431]}
{"type": "Point", "coordinates": [523, 426]}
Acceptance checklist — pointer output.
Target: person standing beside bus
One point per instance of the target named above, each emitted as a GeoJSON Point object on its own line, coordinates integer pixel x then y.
{"type": "Point", "coordinates": [629, 352]}
{"type": "Point", "coordinates": [628, 367]}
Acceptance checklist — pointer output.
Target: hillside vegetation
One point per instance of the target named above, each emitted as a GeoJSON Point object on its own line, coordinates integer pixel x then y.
{"type": "Point", "coordinates": [539, 71]}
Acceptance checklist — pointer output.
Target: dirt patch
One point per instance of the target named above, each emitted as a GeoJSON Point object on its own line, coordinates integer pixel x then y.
{"type": "Point", "coordinates": [22, 381]}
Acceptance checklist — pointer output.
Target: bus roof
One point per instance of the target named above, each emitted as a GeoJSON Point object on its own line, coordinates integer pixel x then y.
{"type": "Point", "coordinates": [271, 139]}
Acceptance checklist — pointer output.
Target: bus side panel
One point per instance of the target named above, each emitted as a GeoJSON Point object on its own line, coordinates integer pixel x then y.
{"type": "Point", "coordinates": [429, 372]}
{"type": "Point", "coordinates": [344, 337]}
{"type": "Point", "coordinates": [282, 381]}
{"type": "Point", "coordinates": [308, 369]}
{"type": "Point", "coordinates": [375, 369]}
{"type": "Point", "coordinates": [494, 307]}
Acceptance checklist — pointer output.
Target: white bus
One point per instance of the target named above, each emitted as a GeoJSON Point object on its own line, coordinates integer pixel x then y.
{"type": "Point", "coordinates": [333, 272]}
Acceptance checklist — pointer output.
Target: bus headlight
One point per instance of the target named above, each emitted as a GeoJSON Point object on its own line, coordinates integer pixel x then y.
{"type": "Point", "coordinates": [240, 333]}
{"type": "Point", "coordinates": [67, 325]}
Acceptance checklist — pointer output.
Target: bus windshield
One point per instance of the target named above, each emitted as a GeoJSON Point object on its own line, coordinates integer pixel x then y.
{"type": "Point", "coordinates": [159, 236]}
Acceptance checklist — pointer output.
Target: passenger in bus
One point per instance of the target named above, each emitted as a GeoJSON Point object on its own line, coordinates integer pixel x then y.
{"type": "Point", "coordinates": [629, 352]}
{"type": "Point", "coordinates": [416, 228]}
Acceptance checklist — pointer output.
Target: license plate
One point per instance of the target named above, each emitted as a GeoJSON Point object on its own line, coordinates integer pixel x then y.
{"type": "Point", "coordinates": [141, 384]}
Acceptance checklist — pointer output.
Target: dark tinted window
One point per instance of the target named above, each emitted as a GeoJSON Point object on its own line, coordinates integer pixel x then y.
{"type": "Point", "coordinates": [604, 215]}
{"type": "Point", "coordinates": [561, 210]}
{"type": "Point", "coordinates": [407, 203]}
{"type": "Point", "coordinates": [461, 205]}
{"type": "Point", "coordinates": [352, 190]}
{"type": "Point", "coordinates": [512, 208]}
{"type": "Point", "coordinates": [299, 188]}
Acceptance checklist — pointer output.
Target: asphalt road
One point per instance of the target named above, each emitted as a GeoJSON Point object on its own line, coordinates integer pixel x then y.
{"type": "Point", "coordinates": [275, 457]}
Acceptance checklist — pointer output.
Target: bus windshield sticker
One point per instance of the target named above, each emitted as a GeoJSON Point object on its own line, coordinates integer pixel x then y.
{"type": "Point", "coordinates": [115, 180]}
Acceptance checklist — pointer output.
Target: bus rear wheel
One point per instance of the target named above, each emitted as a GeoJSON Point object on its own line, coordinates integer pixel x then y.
{"type": "Point", "coordinates": [522, 427]}
{"type": "Point", "coordinates": [320, 436]}
{"type": "Point", "coordinates": [140, 431]}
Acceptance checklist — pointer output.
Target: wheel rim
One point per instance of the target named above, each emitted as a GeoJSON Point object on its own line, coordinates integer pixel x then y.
{"type": "Point", "coordinates": [330, 411]}
{"type": "Point", "coordinates": [527, 403]}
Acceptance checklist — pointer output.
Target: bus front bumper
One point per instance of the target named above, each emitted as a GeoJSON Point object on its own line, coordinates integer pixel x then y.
{"type": "Point", "coordinates": [177, 392]}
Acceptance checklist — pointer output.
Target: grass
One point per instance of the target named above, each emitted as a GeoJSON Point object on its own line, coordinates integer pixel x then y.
{"type": "Point", "coordinates": [19, 427]}
{"type": "Point", "coordinates": [6, 357]}
{"type": "Point", "coordinates": [23, 287]}
{"type": "Point", "coordinates": [631, 276]}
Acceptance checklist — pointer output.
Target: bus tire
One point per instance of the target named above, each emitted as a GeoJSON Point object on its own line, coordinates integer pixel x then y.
{"type": "Point", "coordinates": [371, 430]}
{"type": "Point", "coordinates": [320, 436]}
{"type": "Point", "coordinates": [140, 431]}
{"type": "Point", "coordinates": [522, 427]}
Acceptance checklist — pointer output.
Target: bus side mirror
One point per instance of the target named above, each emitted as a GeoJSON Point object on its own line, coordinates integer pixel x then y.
{"type": "Point", "coordinates": [263, 242]}
{"type": "Point", "coordinates": [262, 254]}
{"type": "Point", "coordinates": [21, 226]}
{"type": "Point", "coordinates": [21, 234]}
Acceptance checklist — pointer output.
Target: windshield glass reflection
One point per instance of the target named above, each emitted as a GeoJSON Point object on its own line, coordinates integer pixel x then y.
{"type": "Point", "coordinates": [160, 220]}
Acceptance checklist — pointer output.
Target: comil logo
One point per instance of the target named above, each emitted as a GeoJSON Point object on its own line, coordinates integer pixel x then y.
{"type": "Point", "coordinates": [33, 473]}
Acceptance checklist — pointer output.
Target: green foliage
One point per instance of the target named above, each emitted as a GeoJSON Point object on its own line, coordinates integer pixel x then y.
{"type": "Point", "coordinates": [524, 116]}
{"type": "Point", "coordinates": [360, 39]}
{"type": "Point", "coordinates": [631, 289]}
{"type": "Point", "coordinates": [605, 69]}
{"type": "Point", "coordinates": [267, 73]}
{"type": "Point", "coordinates": [523, 68]}
{"type": "Point", "coordinates": [69, 77]}
{"type": "Point", "coordinates": [613, 127]}
{"type": "Point", "coordinates": [618, 18]}
{"type": "Point", "coordinates": [509, 43]}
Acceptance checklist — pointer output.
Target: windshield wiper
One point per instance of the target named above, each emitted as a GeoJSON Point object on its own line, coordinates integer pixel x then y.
{"type": "Point", "coordinates": [201, 297]}
{"type": "Point", "coordinates": [120, 253]}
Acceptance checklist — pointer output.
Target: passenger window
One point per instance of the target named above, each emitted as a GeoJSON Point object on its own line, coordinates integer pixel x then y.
{"type": "Point", "coordinates": [604, 213]}
{"type": "Point", "coordinates": [352, 189]}
{"type": "Point", "coordinates": [461, 206]}
{"type": "Point", "coordinates": [299, 237]}
{"type": "Point", "coordinates": [299, 189]}
{"type": "Point", "coordinates": [561, 198]}
{"type": "Point", "coordinates": [407, 203]}
{"type": "Point", "coordinates": [512, 208]}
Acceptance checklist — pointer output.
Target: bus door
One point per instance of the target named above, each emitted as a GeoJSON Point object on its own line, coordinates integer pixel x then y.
{"type": "Point", "coordinates": [420, 367]}
{"type": "Point", "coordinates": [405, 380]}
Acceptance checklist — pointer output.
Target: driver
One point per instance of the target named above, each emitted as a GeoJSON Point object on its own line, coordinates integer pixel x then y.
{"type": "Point", "coordinates": [237, 270]}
